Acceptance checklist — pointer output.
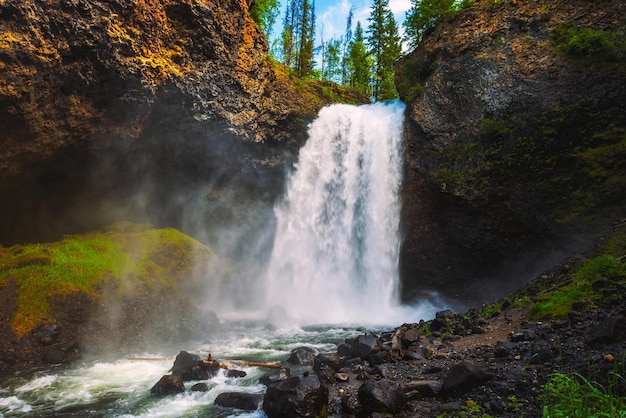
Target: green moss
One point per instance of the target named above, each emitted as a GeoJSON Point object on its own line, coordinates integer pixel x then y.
{"type": "Point", "coordinates": [557, 303]}
{"type": "Point", "coordinates": [588, 43]}
{"type": "Point", "coordinates": [133, 257]}
{"type": "Point", "coordinates": [415, 70]}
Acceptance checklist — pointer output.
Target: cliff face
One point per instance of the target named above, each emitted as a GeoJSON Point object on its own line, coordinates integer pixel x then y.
{"type": "Point", "coordinates": [130, 101]}
{"type": "Point", "coordinates": [516, 141]}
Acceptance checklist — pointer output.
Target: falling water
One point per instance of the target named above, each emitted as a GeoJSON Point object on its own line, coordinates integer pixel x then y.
{"type": "Point", "coordinates": [335, 255]}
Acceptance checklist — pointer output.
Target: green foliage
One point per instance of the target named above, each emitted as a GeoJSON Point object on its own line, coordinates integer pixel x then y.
{"type": "Point", "coordinates": [298, 37]}
{"type": "Point", "coordinates": [125, 254]}
{"type": "Point", "coordinates": [384, 48]}
{"type": "Point", "coordinates": [469, 409]}
{"type": "Point", "coordinates": [494, 129]}
{"type": "Point", "coordinates": [264, 13]}
{"type": "Point", "coordinates": [596, 44]}
{"type": "Point", "coordinates": [571, 395]}
{"type": "Point", "coordinates": [359, 63]}
{"type": "Point", "coordinates": [414, 72]}
{"type": "Point", "coordinates": [424, 16]}
{"type": "Point", "coordinates": [558, 303]}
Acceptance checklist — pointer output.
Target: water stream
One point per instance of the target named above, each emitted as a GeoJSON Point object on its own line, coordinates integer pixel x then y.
{"type": "Point", "coordinates": [333, 268]}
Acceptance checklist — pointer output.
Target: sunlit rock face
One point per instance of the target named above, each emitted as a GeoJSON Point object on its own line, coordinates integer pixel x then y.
{"type": "Point", "coordinates": [134, 103]}
{"type": "Point", "coordinates": [508, 124]}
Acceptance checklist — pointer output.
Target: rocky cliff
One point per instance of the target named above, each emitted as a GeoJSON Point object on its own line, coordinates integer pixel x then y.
{"type": "Point", "coordinates": [516, 141]}
{"type": "Point", "coordinates": [116, 109]}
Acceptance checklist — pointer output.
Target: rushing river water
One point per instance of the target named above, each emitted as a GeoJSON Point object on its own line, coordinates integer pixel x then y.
{"type": "Point", "coordinates": [334, 261]}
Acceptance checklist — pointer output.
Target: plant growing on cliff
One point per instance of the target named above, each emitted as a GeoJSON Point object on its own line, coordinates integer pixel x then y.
{"type": "Point", "coordinates": [596, 44]}
{"type": "Point", "coordinates": [264, 13]}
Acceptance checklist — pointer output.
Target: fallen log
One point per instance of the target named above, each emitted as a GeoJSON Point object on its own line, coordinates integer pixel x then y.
{"type": "Point", "coordinates": [225, 364]}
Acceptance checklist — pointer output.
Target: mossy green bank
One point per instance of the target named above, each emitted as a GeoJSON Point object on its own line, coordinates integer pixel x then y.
{"type": "Point", "coordinates": [131, 257]}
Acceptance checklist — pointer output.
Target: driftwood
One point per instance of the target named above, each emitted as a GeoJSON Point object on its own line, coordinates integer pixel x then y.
{"type": "Point", "coordinates": [225, 364]}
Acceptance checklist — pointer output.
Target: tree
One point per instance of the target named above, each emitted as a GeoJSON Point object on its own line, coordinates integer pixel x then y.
{"type": "Point", "coordinates": [298, 36]}
{"type": "Point", "coordinates": [385, 49]}
{"type": "Point", "coordinates": [332, 60]}
{"type": "Point", "coordinates": [359, 68]}
{"type": "Point", "coordinates": [424, 16]}
{"type": "Point", "coordinates": [346, 42]}
{"type": "Point", "coordinates": [264, 13]}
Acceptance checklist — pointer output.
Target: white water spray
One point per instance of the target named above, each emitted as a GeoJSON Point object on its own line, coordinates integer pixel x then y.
{"type": "Point", "coordinates": [335, 255]}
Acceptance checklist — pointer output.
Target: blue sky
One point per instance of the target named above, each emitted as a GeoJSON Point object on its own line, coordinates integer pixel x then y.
{"type": "Point", "coordinates": [331, 16]}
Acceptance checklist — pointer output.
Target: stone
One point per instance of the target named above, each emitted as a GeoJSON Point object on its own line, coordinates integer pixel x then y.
{"type": "Point", "coordinates": [199, 387]}
{"type": "Point", "coordinates": [302, 356]}
{"type": "Point", "coordinates": [381, 396]}
{"type": "Point", "coordinates": [239, 400]}
{"type": "Point", "coordinates": [297, 396]}
{"type": "Point", "coordinates": [364, 345]}
{"type": "Point", "coordinates": [332, 360]}
{"type": "Point", "coordinates": [235, 373]}
{"type": "Point", "coordinates": [463, 377]}
{"type": "Point", "coordinates": [610, 329]}
{"type": "Point", "coordinates": [270, 378]}
{"type": "Point", "coordinates": [169, 384]}
{"type": "Point", "coordinates": [428, 388]}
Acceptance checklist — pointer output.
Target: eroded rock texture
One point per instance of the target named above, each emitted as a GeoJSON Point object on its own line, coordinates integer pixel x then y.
{"type": "Point", "coordinates": [515, 142]}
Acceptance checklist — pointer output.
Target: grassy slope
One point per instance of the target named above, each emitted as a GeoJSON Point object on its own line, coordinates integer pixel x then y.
{"type": "Point", "coordinates": [127, 255]}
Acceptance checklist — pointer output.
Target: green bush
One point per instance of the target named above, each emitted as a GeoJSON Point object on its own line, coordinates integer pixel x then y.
{"type": "Point", "coordinates": [571, 395]}
{"type": "Point", "coordinates": [590, 43]}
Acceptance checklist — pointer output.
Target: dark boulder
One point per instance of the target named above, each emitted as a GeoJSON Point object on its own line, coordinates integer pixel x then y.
{"type": "Point", "coordinates": [240, 400]}
{"type": "Point", "coordinates": [422, 388]}
{"type": "Point", "coordinates": [280, 375]}
{"type": "Point", "coordinates": [199, 387]}
{"type": "Point", "coordinates": [297, 396]}
{"type": "Point", "coordinates": [463, 377]}
{"type": "Point", "coordinates": [302, 356]}
{"type": "Point", "coordinates": [610, 329]}
{"type": "Point", "coordinates": [381, 396]}
{"type": "Point", "coordinates": [332, 360]}
{"type": "Point", "coordinates": [192, 367]}
{"type": "Point", "coordinates": [235, 373]}
{"type": "Point", "coordinates": [169, 384]}
{"type": "Point", "coordinates": [365, 345]}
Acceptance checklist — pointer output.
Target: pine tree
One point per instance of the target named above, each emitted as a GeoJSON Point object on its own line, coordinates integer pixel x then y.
{"type": "Point", "coordinates": [359, 67]}
{"type": "Point", "coordinates": [265, 12]}
{"type": "Point", "coordinates": [346, 43]}
{"type": "Point", "coordinates": [424, 15]}
{"type": "Point", "coordinates": [385, 49]}
{"type": "Point", "coordinates": [332, 60]}
{"type": "Point", "coordinates": [298, 36]}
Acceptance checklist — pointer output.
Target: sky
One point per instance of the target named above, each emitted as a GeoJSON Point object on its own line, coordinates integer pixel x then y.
{"type": "Point", "coordinates": [331, 16]}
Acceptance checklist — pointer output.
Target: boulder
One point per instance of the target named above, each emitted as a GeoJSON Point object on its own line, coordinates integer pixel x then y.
{"type": "Point", "coordinates": [422, 388]}
{"type": "Point", "coordinates": [365, 345]}
{"type": "Point", "coordinates": [280, 375]}
{"type": "Point", "coordinates": [168, 385]}
{"type": "Point", "coordinates": [192, 367]}
{"type": "Point", "coordinates": [381, 396]}
{"type": "Point", "coordinates": [463, 377]}
{"type": "Point", "coordinates": [611, 329]}
{"type": "Point", "coordinates": [302, 356]}
{"type": "Point", "coordinates": [332, 360]}
{"type": "Point", "coordinates": [240, 400]}
{"type": "Point", "coordinates": [297, 396]}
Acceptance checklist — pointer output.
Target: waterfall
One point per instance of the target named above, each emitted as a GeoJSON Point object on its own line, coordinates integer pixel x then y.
{"type": "Point", "coordinates": [335, 254]}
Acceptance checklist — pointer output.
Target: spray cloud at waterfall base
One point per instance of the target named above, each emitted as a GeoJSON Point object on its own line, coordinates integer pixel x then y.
{"type": "Point", "coordinates": [335, 254]}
